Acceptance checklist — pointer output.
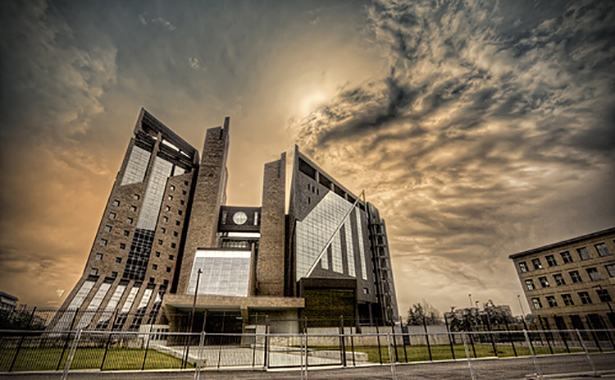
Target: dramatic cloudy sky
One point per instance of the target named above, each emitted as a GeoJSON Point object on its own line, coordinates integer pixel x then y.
{"type": "Point", "coordinates": [479, 129]}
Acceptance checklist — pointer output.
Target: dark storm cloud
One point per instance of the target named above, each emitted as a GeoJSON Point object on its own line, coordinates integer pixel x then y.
{"type": "Point", "coordinates": [485, 128]}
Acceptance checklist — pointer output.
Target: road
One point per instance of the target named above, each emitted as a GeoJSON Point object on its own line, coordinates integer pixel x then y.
{"type": "Point", "coordinates": [488, 369]}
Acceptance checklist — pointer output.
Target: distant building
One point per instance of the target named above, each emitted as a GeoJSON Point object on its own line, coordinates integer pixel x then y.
{"type": "Point", "coordinates": [569, 284]}
{"type": "Point", "coordinates": [8, 302]}
{"type": "Point", "coordinates": [167, 233]}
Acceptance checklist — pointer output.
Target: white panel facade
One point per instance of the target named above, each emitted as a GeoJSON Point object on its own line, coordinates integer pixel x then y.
{"type": "Point", "coordinates": [225, 273]}
{"type": "Point", "coordinates": [136, 167]}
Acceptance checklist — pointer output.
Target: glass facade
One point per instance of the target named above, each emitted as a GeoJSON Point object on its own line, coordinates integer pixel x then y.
{"type": "Point", "coordinates": [138, 258]}
{"type": "Point", "coordinates": [65, 320]}
{"type": "Point", "coordinates": [225, 273]}
{"type": "Point", "coordinates": [136, 167]}
{"type": "Point", "coordinates": [92, 308]}
{"type": "Point", "coordinates": [105, 318]}
{"type": "Point", "coordinates": [315, 230]}
{"type": "Point", "coordinates": [153, 194]}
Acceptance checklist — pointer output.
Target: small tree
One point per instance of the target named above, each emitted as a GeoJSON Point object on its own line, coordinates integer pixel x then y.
{"type": "Point", "coordinates": [423, 311]}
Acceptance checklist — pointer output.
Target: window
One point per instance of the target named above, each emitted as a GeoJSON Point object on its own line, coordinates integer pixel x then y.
{"type": "Point", "coordinates": [552, 302]}
{"type": "Point", "coordinates": [610, 269]}
{"type": "Point", "coordinates": [114, 274]}
{"type": "Point", "coordinates": [175, 233]}
{"type": "Point", "coordinates": [537, 303]}
{"type": "Point", "coordinates": [136, 197]}
{"type": "Point", "coordinates": [169, 269]}
{"type": "Point", "coordinates": [173, 245]}
{"type": "Point", "coordinates": [129, 220]}
{"type": "Point", "coordinates": [172, 187]}
{"type": "Point", "coordinates": [118, 260]}
{"type": "Point", "coordinates": [566, 257]}
{"type": "Point", "coordinates": [575, 277]}
{"type": "Point", "coordinates": [182, 202]}
{"type": "Point", "coordinates": [133, 208]}
{"type": "Point", "coordinates": [177, 222]}
{"type": "Point", "coordinates": [94, 272]}
{"type": "Point", "coordinates": [585, 298]}
{"type": "Point", "coordinates": [604, 295]}
{"type": "Point", "coordinates": [530, 284]}
{"type": "Point", "coordinates": [567, 300]}
{"type": "Point", "coordinates": [171, 257]}
{"type": "Point", "coordinates": [122, 246]}
{"type": "Point", "coordinates": [99, 256]}
{"type": "Point", "coordinates": [103, 242]}
{"type": "Point", "coordinates": [115, 203]}
{"type": "Point", "coordinates": [163, 230]}
{"type": "Point", "coordinates": [180, 212]}
{"type": "Point", "coordinates": [170, 197]}
{"type": "Point", "coordinates": [184, 192]}
{"type": "Point", "coordinates": [594, 275]}
{"type": "Point", "coordinates": [108, 228]}
{"type": "Point", "coordinates": [154, 267]}
{"type": "Point", "coordinates": [159, 241]}
{"type": "Point", "coordinates": [186, 183]}
{"type": "Point", "coordinates": [523, 266]}
{"type": "Point", "coordinates": [537, 264]}
{"type": "Point", "coordinates": [584, 253]}
{"type": "Point", "coordinates": [559, 279]}
{"type": "Point", "coordinates": [165, 282]}
{"type": "Point", "coordinates": [602, 249]}
{"type": "Point", "coordinates": [167, 208]}
{"type": "Point", "coordinates": [165, 219]}
{"type": "Point", "coordinates": [126, 232]}
{"type": "Point", "coordinates": [366, 290]}
{"type": "Point", "coordinates": [544, 282]}
{"type": "Point", "coordinates": [551, 261]}
{"type": "Point", "coordinates": [157, 254]}
{"type": "Point", "coordinates": [112, 215]}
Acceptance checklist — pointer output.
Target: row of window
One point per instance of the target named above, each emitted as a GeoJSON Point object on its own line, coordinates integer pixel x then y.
{"type": "Point", "coordinates": [566, 257]}
{"type": "Point", "coordinates": [575, 277]}
{"type": "Point", "coordinates": [584, 298]}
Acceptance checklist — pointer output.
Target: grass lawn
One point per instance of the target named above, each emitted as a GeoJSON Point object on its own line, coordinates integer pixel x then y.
{"type": "Point", "coordinates": [46, 359]}
{"type": "Point", "coordinates": [443, 352]}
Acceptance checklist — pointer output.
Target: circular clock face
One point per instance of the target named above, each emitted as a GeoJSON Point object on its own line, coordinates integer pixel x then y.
{"type": "Point", "coordinates": [240, 218]}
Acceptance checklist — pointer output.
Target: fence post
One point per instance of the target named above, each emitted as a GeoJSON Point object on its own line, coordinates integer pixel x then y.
{"type": "Point", "coordinates": [427, 339]}
{"type": "Point", "coordinates": [22, 339]}
{"type": "Point", "coordinates": [448, 334]}
{"type": "Point", "coordinates": [342, 342]}
{"type": "Point", "coordinates": [465, 346]}
{"type": "Point", "coordinates": [589, 359]}
{"type": "Point", "coordinates": [149, 337]}
{"type": "Point", "coordinates": [266, 351]}
{"type": "Point", "coordinates": [393, 373]}
{"type": "Point", "coordinates": [199, 361]}
{"type": "Point", "coordinates": [378, 338]}
{"type": "Point", "coordinates": [67, 335]}
{"type": "Point", "coordinates": [510, 339]}
{"type": "Point", "coordinates": [527, 339]}
{"type": "Point", "coordinates": [71, 354]}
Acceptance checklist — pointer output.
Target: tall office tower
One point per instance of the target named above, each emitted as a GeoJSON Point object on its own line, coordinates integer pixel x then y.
{"type": "Point", "coordinates": [338, 258]}
{"type": "Point", "coordinates": [135, 252]}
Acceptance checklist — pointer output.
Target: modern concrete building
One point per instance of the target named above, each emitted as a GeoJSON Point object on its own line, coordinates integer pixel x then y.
{"type": "Point", "coordinates": [168, 241]}
{"type": "Point", "coordinates": [569, 284]}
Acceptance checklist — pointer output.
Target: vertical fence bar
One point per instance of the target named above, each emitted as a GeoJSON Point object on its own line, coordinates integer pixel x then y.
{"type": "Point", "coordinates": [465, 346]}
{"type": "Point", "coordinates": [266, 350]}
{"type": "Point", "coordinates": [354, 359]}
{"type": "Point", "coordinates": [545, 334]}
{"type": "Point", "coordinates": [448, 334]}
{"type": "Point", "coordinates": [146, 348]}
{"type": "Point", "coordinates": [538, 370]}
{"type": "Point", "coordinates": [378, 338]}
{"type": "Point", "coordinates": [394, 342]}
{"type": "Point", "coordinates": [510, 339]}
{"type": "Point", "coordinates": [427, 339]}
{"type": "Point", "coordinates": [71, 355]}
{"type": "Point", "coordinates": [593, 333]}
{"type": "Point", "coordinates": [342, 342]}
{"type": "Point", "coordinates": [589, 358]}
{"type": "Point", "coordinates": [393, 372]}
{"type": "Point", "coordinates": [66, 342]}
{"type": "Point", "coordinates": [200, 359]}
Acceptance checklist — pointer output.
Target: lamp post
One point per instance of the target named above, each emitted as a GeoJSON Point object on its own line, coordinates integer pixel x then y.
{"type": "Point", "coordinates": [196, 291]}
{"type": "Point", "coordinates": [471, 303]}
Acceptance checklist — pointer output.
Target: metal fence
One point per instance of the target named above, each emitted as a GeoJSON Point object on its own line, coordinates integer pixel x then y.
{"type": "Point", "coordinates": [540, 351]}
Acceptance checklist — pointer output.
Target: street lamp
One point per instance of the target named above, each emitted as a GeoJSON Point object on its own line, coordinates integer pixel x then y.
{"type": "Point", "coordinates": [196, 291]}
{"type": "Point", "coordinates": [471, 303]}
